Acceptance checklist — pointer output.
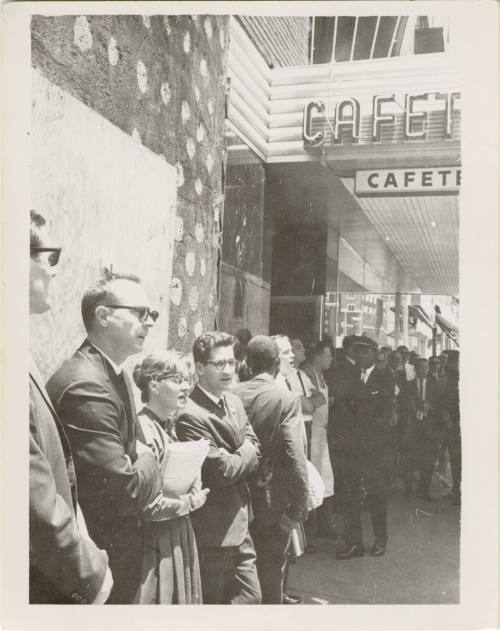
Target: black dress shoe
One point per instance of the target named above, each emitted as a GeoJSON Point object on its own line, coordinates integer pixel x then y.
{"type": "Point", "coordinates": [356, 550]}
{"type": "Point", "coordinates": [378, 549]}
{"type": "Point", "coordinates": [288, 599]}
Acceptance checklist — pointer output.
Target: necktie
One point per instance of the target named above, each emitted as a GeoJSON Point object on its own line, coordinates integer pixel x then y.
{"type": "Point", "coordinates": [221, 406]}
{"type": "Point", "coordinates": [363, 376]}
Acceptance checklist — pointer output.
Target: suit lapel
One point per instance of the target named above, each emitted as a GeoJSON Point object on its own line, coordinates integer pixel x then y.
{"type": "Point", "coordinates": [123, 390]}
{"type": "Point", "coordinates": [66, 447]}
{"type": "Point", "coordinates": [201, 399]}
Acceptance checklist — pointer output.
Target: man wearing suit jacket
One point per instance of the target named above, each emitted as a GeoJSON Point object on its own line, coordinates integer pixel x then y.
{"type": "Point", "coordinates": [368, 398]}
{"type": "Point", "coordinates": [340, 418]}
{"type": "Point", "coordinates": [422, 417]}
{"type": "Point", "coordinates": [226, 549]}
{"type": "Point", "coordinates": [65, 565]}
{"type": "Point", "coordinates": [279, 492]}
{"type": "Point", "coordinates": [117, 475]}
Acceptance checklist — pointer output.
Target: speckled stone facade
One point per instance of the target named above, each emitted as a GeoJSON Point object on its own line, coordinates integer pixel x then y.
{"type": "Point", "coordinates": [160, 79]}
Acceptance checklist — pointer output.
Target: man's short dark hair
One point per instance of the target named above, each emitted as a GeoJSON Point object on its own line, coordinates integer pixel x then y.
{"type": "Point", "coordinates": [420, 360]}
{"type": "Point", "coordinates": [205, 343]}
{"type": "Point", "coordinates": [99, 293]}
{"type": "Point", "coordinates": [37, 221]}
{"type": "Point", "coordinates": [317, 348]}
{"type": "Point", "coordinates": [262, 354]}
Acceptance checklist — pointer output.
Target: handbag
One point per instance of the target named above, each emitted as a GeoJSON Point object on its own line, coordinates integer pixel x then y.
{"type": "Point", "coordinates": [316, 486]}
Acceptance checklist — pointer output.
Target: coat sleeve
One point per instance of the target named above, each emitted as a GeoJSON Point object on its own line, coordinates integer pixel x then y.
{"type": "Point", "coordinates": [59, 550]}
{"type": "Point", "coordinates": [221, 468]}
{"type": "Point", "coordinates": [293, 458]}
{"type": "Point", "coordinates": [92, 421]}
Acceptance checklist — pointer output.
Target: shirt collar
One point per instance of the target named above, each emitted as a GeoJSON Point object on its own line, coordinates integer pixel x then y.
{"type": "Point", "coordinates": [211, 396]}
{"type": "Point", "coordinates": [368, 371]}
{"type": "Point", "coordinates": [114, 366]}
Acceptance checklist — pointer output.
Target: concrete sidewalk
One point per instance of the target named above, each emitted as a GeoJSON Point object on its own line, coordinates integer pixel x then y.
{"type": "Point", "coordinates": [421, 564]}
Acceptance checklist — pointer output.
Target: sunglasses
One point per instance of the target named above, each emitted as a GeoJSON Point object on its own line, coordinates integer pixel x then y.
{"type": "Point", "coordinates": [53, 258]}
{"type": "Point", "coordinates": [143, 312]}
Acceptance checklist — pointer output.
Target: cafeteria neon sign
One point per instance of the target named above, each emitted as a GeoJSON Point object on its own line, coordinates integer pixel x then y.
{"type": "Point", "coordinates": [347, 117]}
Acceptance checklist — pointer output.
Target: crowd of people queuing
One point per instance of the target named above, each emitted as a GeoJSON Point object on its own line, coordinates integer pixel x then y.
{"type": "Point", "coordinates": [104, 526]}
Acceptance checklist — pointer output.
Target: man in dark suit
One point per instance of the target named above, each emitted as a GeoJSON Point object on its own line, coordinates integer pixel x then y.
{"type": "Point", "coordinates": [367, 396]}
{"type": "Point", "coordinates": [279, 491]}
{"type": "Point", "coordinates": [65, 564]}
{"type": "Point", "coordinates": [226, 549]}
{"type": "Point", "coordinates": [340, 418]}
{"type": "Point", "coordinates": [118, 476]}
{"type": "Point", "coordinates": [422, 418]}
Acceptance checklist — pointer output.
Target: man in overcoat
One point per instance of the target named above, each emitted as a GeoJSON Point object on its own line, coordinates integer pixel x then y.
{"type": "Point", "coordinates": [279, 491]}
{"type": "Point", "coordinates": [66, 567]}
{"type": "Point", "coordinates": [118, 476]}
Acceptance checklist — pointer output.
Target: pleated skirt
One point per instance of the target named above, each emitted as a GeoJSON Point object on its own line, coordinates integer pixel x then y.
{"type": "Point", "coordinates": [170, 567]}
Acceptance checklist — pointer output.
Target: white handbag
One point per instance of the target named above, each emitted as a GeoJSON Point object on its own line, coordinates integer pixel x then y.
{"type": "Point", "coordinates": [315, 485]}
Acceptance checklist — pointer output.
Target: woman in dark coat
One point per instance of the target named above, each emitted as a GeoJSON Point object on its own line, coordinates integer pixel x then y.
{"type": "Point", "coordinates": [170, 568]}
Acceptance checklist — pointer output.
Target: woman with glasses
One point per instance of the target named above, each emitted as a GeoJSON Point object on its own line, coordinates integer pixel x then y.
{"type": "Point", "coordinates": [170, 569]}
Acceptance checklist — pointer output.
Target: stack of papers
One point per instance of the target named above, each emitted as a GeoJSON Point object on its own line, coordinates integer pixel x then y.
{"type": "Point", "coordinates": [183, 466]}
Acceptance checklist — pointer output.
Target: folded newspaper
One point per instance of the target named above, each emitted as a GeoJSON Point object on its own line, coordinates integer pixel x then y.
{"type": "Point", "coordinates": [183, 466]}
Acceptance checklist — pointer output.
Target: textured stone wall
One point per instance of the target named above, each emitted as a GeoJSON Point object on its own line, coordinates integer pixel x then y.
{"type": "Point", "coordinates": [161, 79]}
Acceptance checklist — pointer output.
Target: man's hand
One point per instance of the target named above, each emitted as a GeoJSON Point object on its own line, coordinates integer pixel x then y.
{"type": "Point", "coordinates": [287, 523]}
{"type": "Point", "coordinates": [197, 498]}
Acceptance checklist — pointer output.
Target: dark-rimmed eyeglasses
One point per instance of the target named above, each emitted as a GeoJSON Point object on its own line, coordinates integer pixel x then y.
{"type": "Point", "coordinates": [143, 312]}
{"type": "Point", "coordinates": [53, 258]}
{"type": "Point", "coordinates": [220, 364]}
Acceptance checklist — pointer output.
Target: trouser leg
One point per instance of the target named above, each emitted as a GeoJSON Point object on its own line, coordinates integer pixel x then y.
{"type": "Point", "coordinates": [455, 449]}
{"type": "Point", "coordinates": [271, 546]}
{"type": "Point", "coordinates": [427, 453]}
{"type": "Point", "coordinates": [243, 587]}
{"type": "Point", "coordinates": [377, 498]}
{"type": "Point", "coordinates": [352, 504]}
{"type": "Point", "coordinates": [215, 567]}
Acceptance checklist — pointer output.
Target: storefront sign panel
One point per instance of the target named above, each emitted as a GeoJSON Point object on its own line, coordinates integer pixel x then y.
{"type": "Point", "coordinates": [383, 182]}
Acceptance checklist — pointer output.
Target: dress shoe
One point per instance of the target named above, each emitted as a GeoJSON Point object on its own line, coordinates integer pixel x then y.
{"type": "Point", "coordinates": [378, 549]}
{"type": "Point", "coordinates": [288, 599]}
{"type": "Point", "coordinates": [356, 550]}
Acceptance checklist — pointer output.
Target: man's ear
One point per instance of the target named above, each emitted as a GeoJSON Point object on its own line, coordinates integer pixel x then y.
{"type": "Point", "coordinates": [153, 387]}
{"type": "Point", "coordinates": [200, 368]}
{"type": "Point", "coordinates": [102, 316]}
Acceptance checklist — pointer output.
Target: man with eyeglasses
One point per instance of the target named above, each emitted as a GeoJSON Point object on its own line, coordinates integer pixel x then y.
{"type": "Point", "coordinates": [118, 476]}
{"type": "Point", "coordinates": [226, 550]}
{"type": "Point", "coordinates": [66, 567]}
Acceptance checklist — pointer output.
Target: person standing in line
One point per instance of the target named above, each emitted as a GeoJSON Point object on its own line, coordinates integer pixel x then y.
{"type": "Point", "coordinates": [408, 371]}
{"type": "Point", "coordinates": [170, 567]}
{"type": "Point", "coordinates": [65, 565]}
{"type": "Point", "coordinates": [443, 456]}
{"type": "Point", "coordinates": [422, 410]}
{"type": "Point", "coordinates": [118, 475]}
{"type": "Point", "coordinates": [369, 397]}
{"type": "Point", "coordinates": [280, 491]}
{"type": "Point", "coordinates": [293, 378]}
{"type": "Point", "coordinates": [340, 419]}
{"type": "Point", "coordinates": [319, 361]}
{"type": "Point", "coordinates": [226, 550]}
{"type": "Point", "coordinates": [452, 420]}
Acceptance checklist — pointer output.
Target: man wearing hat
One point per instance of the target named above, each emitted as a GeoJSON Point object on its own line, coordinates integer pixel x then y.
{"type": "Point", "coordinates": [368, 397]}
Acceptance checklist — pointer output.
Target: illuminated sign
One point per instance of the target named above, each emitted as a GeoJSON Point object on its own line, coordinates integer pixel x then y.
{"type": "Point", "coordinates": [435, 181]}
{"type": "Point", "coordinates": [347, 119]}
